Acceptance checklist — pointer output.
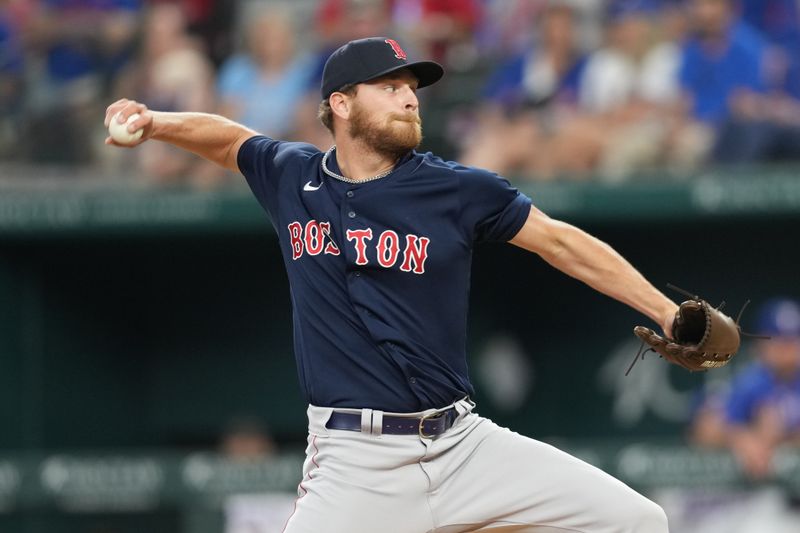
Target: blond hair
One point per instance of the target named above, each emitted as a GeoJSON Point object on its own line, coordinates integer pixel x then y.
{"type": "Point", "coordinates": [325, 113]}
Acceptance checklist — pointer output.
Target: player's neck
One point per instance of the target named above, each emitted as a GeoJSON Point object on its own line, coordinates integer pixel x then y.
{"type": "Point", "coordinates": [358, 162]}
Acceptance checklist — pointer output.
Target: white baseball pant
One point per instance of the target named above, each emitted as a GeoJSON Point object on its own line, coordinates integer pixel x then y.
{"type": "Point", "coordinates": [477, 476]}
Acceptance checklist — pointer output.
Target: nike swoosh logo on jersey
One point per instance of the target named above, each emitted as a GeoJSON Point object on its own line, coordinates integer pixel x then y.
{"type": "Point", "coordinates": [309, 187]}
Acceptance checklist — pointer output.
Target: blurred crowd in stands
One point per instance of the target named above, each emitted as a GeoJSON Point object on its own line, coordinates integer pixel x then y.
{"type": "Point", "coordinates": [535, 89]}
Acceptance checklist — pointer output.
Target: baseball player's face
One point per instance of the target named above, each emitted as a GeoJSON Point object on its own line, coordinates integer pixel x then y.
{"type": "Point", "coordinates": [782, 354]}
{"type": "Point", "coordinates": [385, 114]}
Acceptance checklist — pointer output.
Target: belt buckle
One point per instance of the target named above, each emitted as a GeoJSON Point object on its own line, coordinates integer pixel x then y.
{"type": "Point", "coordinates": [421, 428]}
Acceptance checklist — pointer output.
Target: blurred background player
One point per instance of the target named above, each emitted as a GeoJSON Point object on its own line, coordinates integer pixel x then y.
{"type": "Point", "coordinates": [247, 440]}
{"type": "Point", "coordinates": [754, 415]}
{"type": "Point", "coordinates": [761, 410]}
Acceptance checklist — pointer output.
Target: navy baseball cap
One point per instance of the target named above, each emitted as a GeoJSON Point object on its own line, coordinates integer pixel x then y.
{"type": "Point", "coordinates": [779, 317]}
{"type": "Point", "coordinates": [366, 59]}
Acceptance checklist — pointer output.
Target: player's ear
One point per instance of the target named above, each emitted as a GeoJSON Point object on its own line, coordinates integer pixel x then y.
{"type": "Point", "coordinates": [340, 105]}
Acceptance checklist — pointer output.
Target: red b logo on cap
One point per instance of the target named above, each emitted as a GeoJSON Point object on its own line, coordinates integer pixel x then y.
{"type": "Point", "coordinates": [398, 52]}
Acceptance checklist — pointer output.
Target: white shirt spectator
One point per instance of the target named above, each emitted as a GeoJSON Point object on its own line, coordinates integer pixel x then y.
{"type": "Point", "coordinates": [612, 79]}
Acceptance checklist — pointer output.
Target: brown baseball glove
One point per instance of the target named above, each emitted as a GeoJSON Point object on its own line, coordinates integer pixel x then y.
{"type": "Point", "coordinates": [705, 337]}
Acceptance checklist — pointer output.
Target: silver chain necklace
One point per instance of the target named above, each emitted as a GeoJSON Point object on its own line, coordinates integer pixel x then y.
{"type": "Point", "coordinates": [339, 177]}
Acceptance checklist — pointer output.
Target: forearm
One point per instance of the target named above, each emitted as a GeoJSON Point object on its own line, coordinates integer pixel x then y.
{"type": "Point", "coordinates": [212, 137]}
{"type": "Point", "coordinates": [742, 437]}
{"type": "Point", "coordinates": [594, 262]}
{"type": "Point", "coordinates": [753, 453]}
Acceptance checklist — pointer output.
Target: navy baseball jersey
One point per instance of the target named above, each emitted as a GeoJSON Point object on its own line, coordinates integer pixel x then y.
{"type": "Point", "coordinates": [379, 271]}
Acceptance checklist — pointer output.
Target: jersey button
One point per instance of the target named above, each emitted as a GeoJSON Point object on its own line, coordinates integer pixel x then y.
{"type": "Point", "coordinates": [413, 381]}
{"type": "Point", "coordinates": [357, 274]}
{"type": "Point", "coordinates": [352, 214]}
{"type": "Point", "coordinates": [350, 194]}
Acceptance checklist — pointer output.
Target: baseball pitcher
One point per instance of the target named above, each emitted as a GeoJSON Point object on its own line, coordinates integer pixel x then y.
{"type": "Point", "coordinates": [377, 240]}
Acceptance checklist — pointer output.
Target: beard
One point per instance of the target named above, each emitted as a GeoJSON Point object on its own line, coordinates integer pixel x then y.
{"type": "Point", "coordinates": [392, 137]}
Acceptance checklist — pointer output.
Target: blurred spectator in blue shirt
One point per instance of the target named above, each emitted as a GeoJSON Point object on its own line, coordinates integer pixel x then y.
{"type": "Point", "coordinates": [84, 37]}
{"type": "Point", "coordinates": [505, 28]}
{"type": "Point", "coordinates": [723, 61]}
{"type": "Point", "coordinates": [778, 20]}
{"type": "Point", "coordinates": [762, 411]}
{"type": "Point", "coordinates": [736, 87]}
{"type": "Point", "coordinates": [759, 410]}
{"type": "Point", "coordinates": [779, 23]}
{"type": "Point", "coordinates": [612, 113]}
{"type": "Point", "coordinates": [263, 86]}
{"type": "Point", "coordinates": [547, 72]}
{"type": "Point", "coordinates": [83, 44]}
{"type": "Point", "coordinates": [527, 98]}
{"type": "Point", "coordinates": [11, 56]}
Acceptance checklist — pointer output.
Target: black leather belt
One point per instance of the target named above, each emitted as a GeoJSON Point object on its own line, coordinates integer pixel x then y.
{"type": "Point", "coordinates": [426, 427]}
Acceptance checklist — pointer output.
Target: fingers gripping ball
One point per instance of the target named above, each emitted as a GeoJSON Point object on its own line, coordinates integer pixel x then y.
{"type": "Point", "coordinates": [704, 337]}
{"type": "Point", "coordinates": [119, 132]}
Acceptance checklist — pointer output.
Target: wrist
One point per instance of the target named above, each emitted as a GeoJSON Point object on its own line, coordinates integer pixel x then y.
{"type": "Point", "coordinates": [665, 314]}
{"type": "Point", "coordinates": [157, 125]}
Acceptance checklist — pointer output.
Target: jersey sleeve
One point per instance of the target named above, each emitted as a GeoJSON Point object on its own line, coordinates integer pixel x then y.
{"type": "Point", "coordinates": [264, 162]}
{"type": "Point", "coordinates": [491, 207]}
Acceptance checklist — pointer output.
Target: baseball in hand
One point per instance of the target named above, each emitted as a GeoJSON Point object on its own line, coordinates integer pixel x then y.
{"type": "Point", "coordinates": [119, 132]}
